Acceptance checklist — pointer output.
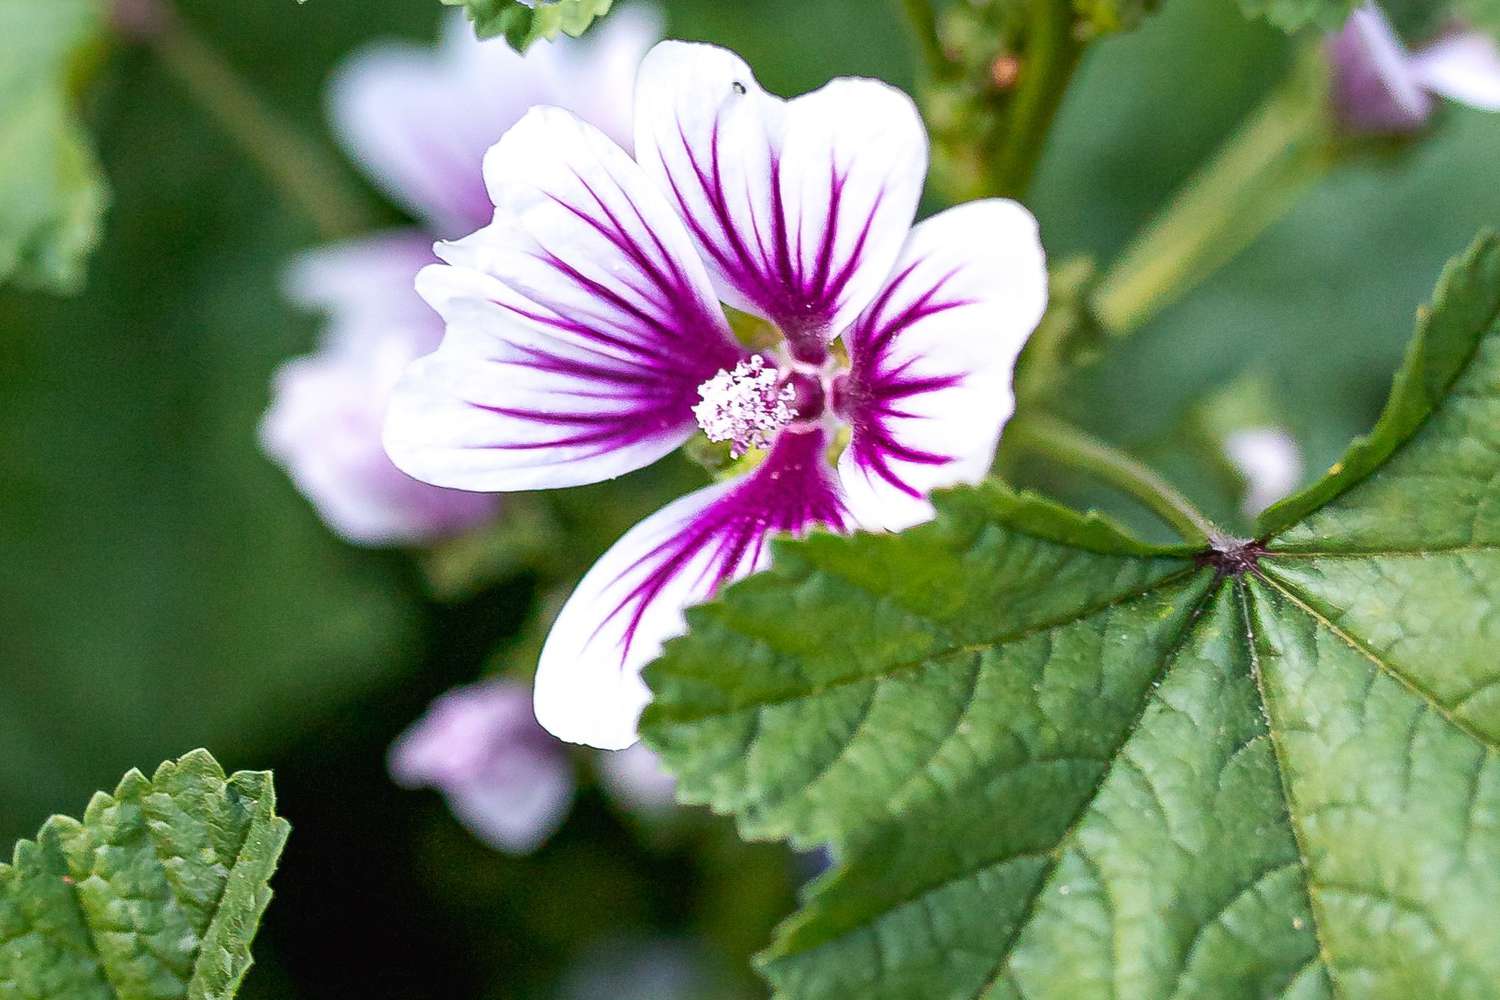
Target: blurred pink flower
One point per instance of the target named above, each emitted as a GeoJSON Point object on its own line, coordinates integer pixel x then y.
{"type": "Point", "coordinates": [507, 779]}
{"type": "Point", "coordinates": [323, 425]}
{"type": "Point", "coordinates": [419, 121]}
{"type": "Point", "coordinates": [503, 776]}
{"type": "Point", "coordinates": [1380, 88]}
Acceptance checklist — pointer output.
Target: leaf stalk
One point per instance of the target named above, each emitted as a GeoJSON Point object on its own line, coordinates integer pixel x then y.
{"type": "Point", "coordinates": [1069, 445]}
{"type": "Point", "coordinates": [1053, 50]}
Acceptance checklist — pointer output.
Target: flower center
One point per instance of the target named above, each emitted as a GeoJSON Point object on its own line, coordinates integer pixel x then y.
{"type": "Point", "coordinates": [747, 406]}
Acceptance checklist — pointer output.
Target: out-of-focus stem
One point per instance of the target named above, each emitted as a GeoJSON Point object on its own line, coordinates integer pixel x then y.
{"type": "Point", "coordinates": [1051, 57]}
{"type": "Point", "coordinates": [997, 71]}
{"type": "Point", "coordinates": [1068, 445]}
{"type": "Point", "coordinates": [303, 174]}
{"type": "Point", "coordinates": [1283, 148]}
{"type": "Point", "coordinates": [922, 17]}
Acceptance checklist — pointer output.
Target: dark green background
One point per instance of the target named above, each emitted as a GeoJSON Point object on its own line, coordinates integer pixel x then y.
{"type": "Point", "coordinates": [163, 587]}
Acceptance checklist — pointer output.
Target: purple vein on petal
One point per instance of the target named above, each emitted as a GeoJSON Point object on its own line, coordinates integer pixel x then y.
{"type": "Point", "coordinates": [635, 345]}
{"type": "Point", "coordinates": [770, 268]}
{"type": "Point", "coordinates": [877, 387]}
{"type": "Point", "coordinates": [791, 492]}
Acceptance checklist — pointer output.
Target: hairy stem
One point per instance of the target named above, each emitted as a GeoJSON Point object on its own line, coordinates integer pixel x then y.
{"type": "Point", "coordinates": [1280, 151]}
{"type": "Point", "coordinates": [300, 171]}
{"type": "Point", "coordinates": [1071, 446]}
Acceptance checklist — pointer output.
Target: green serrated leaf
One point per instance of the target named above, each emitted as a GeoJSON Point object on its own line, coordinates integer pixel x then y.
{"type": "Point", "coordinates": [1294, 15]}
{"type": "Point", "coordinates": [52, 192]}
{"type": "Point", "coordinates": [1053, 762]}
{"type": "Point", "coordinates": [522, 24]}
{"type": "Point", "coordinates": [156, 894]}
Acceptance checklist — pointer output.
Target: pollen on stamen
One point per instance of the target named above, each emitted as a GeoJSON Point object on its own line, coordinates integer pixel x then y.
{"type": "Point", "coordinates": [745, 407]}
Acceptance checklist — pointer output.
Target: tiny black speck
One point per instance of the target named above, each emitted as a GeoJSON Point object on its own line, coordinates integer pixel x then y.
{"type": "Point", "coordinates": [740, 88]}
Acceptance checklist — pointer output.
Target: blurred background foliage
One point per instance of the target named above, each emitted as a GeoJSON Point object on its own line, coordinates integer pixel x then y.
{"type": "Point", "coordinates": [162, 586]}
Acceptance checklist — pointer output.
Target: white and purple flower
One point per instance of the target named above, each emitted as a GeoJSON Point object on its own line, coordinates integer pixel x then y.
{"type": "Point", "coordinates": [585, 339]}
{"type": "Point", "coordinates": [419, 122]}
{"type": "Point", "coordinates": [1381, 88]}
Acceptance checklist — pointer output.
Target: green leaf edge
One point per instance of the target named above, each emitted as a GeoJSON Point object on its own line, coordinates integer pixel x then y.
{"type": "Point", "coordinates": [54, 258]}
{"type": "Point", "coordinates": [1446, 340]}
{"type": "Point", "coordinates": [248, 880]}
{"type": "Point", "coordinates": [1026, 512]}
{"type": "Point", "coordinates": [522, 26]}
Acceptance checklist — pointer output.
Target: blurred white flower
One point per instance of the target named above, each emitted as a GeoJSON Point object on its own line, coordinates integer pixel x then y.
{"type": "Point", "coordinates": [418, 120]}
{"type": "Point", "coordinates": [1379, 87]}
{"type": "Point", "coordinates": [504, 777]}
{"type": "Point", "coordinates": [1270, 461]}
{"type": "Point", "coordinates": [323, 425]}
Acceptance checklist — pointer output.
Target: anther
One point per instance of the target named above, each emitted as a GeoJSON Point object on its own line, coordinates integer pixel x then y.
{"type": "Point", "coordinates": [746, 406]}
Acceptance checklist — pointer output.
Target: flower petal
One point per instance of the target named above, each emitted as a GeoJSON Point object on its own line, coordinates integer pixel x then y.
{"type": "Point", "coordinates": [324, 422]}
{"type": "Point", "coordinates": [580, 324]}
{"type": "Point", "coordinates": [1463, 68]}
{"type": "Point", "coordinates": [419, 120]}
{"type": "Point", "coordinates": [588, 684]}
{"type": "Point", "coordinates": [800, 206]}
{"type": "Point", "coordinates": [369, 282]}
{"type": "Point", "coordinates": [929, 388]}
{"type": "Point", "coordinates": [1375, 87]}
{"type": "Point", "coordinates": [504, 778]}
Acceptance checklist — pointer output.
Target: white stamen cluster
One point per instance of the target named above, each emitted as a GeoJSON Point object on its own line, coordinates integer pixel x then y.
{"type": "Point", "coordinates": [745, 406]}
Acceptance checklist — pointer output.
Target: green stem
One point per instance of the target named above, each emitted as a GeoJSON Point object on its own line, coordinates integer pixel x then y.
{"type": "Point", "coordinates": [299, 170]}
{"type": "Point", "coordinates": [923, 19]}
{"type": "Point", "coordinates": [1069, 445]}
{"type": "Point", "coordinates": [1281, 150]}
{"type": "Point", "coordinates": [1052, 52]}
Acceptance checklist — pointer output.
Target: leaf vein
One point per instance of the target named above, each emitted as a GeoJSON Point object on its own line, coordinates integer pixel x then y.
{"type": "Point", "coordinates": [1400, 676]}
{"type": "Point", "coordinates": [1064, 842]}
{"type": "Point", "coordinates": [1278, 753]}
{"type": "Point", "coordinates": [1203, 928]}
{"type": "Point", "coordinates": [926, 659]}
{"type": "Point", "coordinates": [239, 859]}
